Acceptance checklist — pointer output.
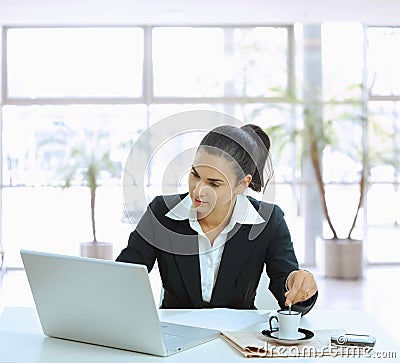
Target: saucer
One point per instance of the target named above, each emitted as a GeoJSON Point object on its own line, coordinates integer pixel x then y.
{"type": "Point", "coordinates": [303, 334]}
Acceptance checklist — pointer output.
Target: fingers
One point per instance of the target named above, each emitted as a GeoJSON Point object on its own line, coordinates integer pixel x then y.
{"type": "Point", "coordinates": [301, 287]}
{"type": "Point", "coordinates": [292, 296]}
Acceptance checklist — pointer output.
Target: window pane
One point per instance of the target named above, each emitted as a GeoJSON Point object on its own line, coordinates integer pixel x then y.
{"type": "Point", "coordinates": [342, 156]}
{"type": "Point", "coordinates": [74, 62]}
{"type": "Point", "coordinates": [188, 62]}
{"type": "Point", "coordinates": [384, 141]}
{"type": "Point", "coordinates": [342, 60]}
{"type": "Point", "coordinates": [383, 59]}
{"type": "Point", "coordinates": [383, 223]}
{"type": "Point", "coordinates": [342, 201]}
{"type": "Point", "coordinates": [216, 62]}
{"type": "Point", "coordinates": [38, 141]}
{"type": "Point", "coordinates": [260, 62]}
{"type": "Point", "coordinates": [383, 193]}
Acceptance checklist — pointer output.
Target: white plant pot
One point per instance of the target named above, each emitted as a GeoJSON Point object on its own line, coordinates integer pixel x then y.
{"type": "Point", "coordinates": [341, 258]}
{"type": "Point", "coordinates": [101, 250]}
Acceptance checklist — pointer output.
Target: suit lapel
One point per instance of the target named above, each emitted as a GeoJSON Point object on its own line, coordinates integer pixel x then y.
{"type": "Point", "coordinates": [184, 243]}
{"type": "Point", "coordinates": [236, 252]}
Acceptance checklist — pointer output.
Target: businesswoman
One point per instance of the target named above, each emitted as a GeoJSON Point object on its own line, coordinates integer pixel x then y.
{"type": "Point", "coordinates": [213, 243]}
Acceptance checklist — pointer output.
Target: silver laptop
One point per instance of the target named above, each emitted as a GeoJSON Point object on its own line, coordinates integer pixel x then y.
{"type": "Point", "coordinates": [103, 302]}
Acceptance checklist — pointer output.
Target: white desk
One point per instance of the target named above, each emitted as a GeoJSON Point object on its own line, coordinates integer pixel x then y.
{"type": "Point", "coordinates": [22, 340]}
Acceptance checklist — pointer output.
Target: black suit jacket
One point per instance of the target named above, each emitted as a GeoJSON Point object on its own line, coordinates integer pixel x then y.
{"type": "Point", "coordinates": [249, 248]}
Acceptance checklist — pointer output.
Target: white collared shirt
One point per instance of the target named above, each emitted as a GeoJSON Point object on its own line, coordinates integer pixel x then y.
{"type": "Point", "coordinates": [210, 256]}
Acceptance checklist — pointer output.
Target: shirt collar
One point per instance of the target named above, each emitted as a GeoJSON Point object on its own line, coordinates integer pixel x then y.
{"type": "Point", "coordinates": [243, 212]}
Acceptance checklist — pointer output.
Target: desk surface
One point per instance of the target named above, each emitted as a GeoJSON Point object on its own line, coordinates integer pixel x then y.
{"type": "Point", "coordinates": [22, 340]}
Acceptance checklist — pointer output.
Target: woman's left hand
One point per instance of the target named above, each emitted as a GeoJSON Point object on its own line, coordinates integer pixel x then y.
{"type": "Point", "coordinates": [301, 286]}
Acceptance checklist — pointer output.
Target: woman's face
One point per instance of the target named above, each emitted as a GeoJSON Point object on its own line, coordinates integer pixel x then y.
{"type": "Point", "coordinates": [213, 185]}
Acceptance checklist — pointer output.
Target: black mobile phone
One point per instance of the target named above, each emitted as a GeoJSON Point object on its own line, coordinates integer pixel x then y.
{"type": "Point", "coordinates": [361, 340]}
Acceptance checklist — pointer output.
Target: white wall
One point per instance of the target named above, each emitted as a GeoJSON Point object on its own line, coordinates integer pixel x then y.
{"type": "Point", "coordinates": [115, 12]}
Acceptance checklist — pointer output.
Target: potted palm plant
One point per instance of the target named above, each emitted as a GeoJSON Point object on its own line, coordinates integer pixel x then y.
{"type": "Point", "coordinates": [343, 255]}
{"type": "Point", "coordinates": [87, 157]}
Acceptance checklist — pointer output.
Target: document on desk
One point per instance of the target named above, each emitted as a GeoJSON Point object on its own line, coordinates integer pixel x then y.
{"type": "Point", "coordinates": [219, 318]}
{"type": "Point", "coordinates": [253, 344]}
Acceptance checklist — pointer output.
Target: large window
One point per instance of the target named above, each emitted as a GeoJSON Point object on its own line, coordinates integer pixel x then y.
{"type": "Point", "coordinates": [118, 81]}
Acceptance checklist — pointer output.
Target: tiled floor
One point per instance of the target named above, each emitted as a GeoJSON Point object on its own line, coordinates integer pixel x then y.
{"type": "Point", "coordinates": [376, 293]}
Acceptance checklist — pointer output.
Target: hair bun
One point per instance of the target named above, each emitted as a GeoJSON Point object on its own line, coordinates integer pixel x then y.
{"type": "Point", "coordinates": [258, 134]}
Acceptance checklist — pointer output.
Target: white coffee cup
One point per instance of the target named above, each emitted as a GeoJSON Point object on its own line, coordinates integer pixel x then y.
{"type": "Point", "coordinates": [288, 322]}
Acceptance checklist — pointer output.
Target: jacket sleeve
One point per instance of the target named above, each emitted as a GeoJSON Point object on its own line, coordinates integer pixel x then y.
{"type": "Point", "coordinates": [281, 261]}
{"type": "Point", "coordinates": [141, 248]}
